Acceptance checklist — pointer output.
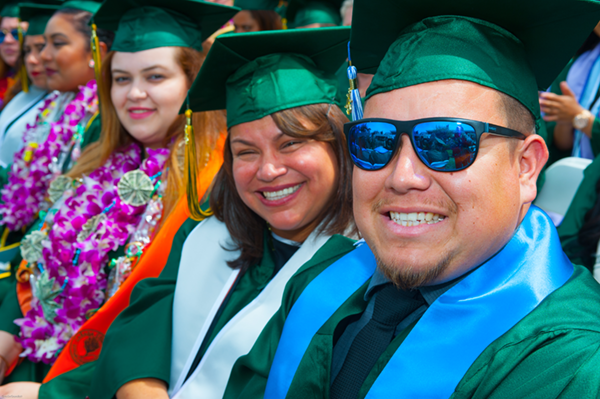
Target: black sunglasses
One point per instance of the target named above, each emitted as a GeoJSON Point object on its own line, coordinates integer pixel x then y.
{"type": "Point", "coordinates": [442, 144]}
{"type": "Point", "coordinates": [5, 32]}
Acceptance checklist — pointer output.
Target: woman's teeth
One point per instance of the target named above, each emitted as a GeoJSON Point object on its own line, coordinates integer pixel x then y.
{"type": "Point", "coordinates": [277, 195]}
{"type": "Point", "coordinates": [415, 219]}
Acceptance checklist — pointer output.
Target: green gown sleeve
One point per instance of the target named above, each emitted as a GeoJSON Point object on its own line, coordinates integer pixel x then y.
{"type": "Point", "coordinates": [250, 372]}
{"type": "Point", "coordinates": [138, 343]}
{"type": "Point", "coordinates": [585, 198]}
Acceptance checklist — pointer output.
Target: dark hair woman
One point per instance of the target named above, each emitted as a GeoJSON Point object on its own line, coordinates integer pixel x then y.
{"type": "Point", "coordinates": [281, 200]}
{"type": "Point", "coordinates": [257, 16]}
{"type": "Point", "coordinates": [123, 199]}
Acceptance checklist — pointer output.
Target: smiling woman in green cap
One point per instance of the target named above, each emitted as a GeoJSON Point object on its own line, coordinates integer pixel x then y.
{"type": "Point", "coordinates": [279, 200]}
{"type": "Point", "coordinates": [114, 202]}
{"type": "Point", "coordinates": [461, 288]}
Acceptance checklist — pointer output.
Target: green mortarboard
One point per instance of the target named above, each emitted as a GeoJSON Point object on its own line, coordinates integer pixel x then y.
{"type": "Point", "coordinates": [307, 12]}
{"type": "Point", "coordinates": [146, 24]}
{"type": "Point", "coordinates": [253, 75]}
{"type": "Point", "coordinates": [514, 46]}
{"type": "Point", "coordinates": [272, 5]}
{"type": "Point", "coordinates": [37, 15]}
{"type": "Point", "coordinates": [83, 5]}
{"type": "Point", "coordinates": [9, 8]}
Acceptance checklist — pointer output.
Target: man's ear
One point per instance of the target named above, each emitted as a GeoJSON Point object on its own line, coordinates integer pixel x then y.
{"type": "Point", "coordinates": [532, 156]}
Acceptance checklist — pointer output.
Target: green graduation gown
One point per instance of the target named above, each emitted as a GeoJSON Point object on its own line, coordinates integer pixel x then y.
{"type": "Point", "coordinates": [584, 200]}
{"type": "Point", "coordinates": [130, 352]}
{"type": "Point", "coordinates": [553, 352]}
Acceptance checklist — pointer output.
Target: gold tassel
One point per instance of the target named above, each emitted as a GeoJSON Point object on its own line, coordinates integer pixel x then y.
{"type": "Point", "coordinates": [95, 44]}
{"type": "Point", "coordinates": [191, 171]}
{"type": "Point", "coordinates": [22, 71]}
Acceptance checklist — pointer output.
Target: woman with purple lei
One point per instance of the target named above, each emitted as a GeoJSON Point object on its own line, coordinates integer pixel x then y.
{"type": "Point", "coordinates": [66, 122]}
{"type": "Point", "coordinates": [105, 211]}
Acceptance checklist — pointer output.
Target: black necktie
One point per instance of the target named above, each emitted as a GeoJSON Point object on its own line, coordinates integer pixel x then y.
{"type": "Point", "coordinates": [391, 307]}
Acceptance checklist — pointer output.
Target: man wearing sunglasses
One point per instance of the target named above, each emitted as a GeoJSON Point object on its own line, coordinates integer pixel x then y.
{"type": "Point", "coordinates": [461, 289]}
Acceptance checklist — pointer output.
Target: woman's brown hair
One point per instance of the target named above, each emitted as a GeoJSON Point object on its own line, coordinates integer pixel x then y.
{"type": "Point", "coordinates": [208, 127]}
{"type": "Point", "coordinates": [245, 226]}
{"type": "Point", "coordinates": [267, 19]}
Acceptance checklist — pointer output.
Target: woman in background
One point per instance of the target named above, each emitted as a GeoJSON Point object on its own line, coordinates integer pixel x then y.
{"type": "Point", "coordinates": [257, 15]}
{"type": "Point", "coordinates": [25, 106]}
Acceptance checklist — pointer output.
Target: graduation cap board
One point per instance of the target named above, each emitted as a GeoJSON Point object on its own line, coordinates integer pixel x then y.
{"type": "Point", "coordinates": [83, 5]}
{"type": "Point", "coordinates": [306, 12]}
{"type": "Point", "coordinates": [145, 24]}
{"type": "Point", "coordinates": [513, 46]}
{"type": "Point", "coordinates": [273, 5]}
{"type": "Point", "coordinates": [37, 15]}
{"type": "Point", "coordinates": [253, 75]}
{"type": "Point", "coordinates": [9, 8]}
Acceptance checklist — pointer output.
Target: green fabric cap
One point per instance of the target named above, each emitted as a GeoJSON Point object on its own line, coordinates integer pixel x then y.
{"type": "Point", "coordinates": [303, 13]}
{"type": "Point", "coordinates": [273, 5]}
{"type": "Point", "coordinates": [146, 24]}
{"type": "Point", "coordinates": [9, 9]}
{"type": "Point", "coordinates": [253, 75]}
{"type": "Point", "coordinates": [89, 6]}
{"type": "Point", "coordinates": [37, 15]}
{"type": "Point", "coordinates": [513, 46]}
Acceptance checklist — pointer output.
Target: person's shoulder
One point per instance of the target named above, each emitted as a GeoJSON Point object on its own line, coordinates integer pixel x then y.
{"type": "Point", "coordinates": [574, 305]}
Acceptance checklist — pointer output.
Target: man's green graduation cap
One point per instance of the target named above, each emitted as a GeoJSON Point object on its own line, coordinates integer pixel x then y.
{"type": "Point", "coordinates": [253, 75]}
{"type": "Point", "coordinates": [83, 5]}
{"type": "Point", "coordinates": [37, 15]}
{"type": "Point", "coordinates": [146, 24]}
{"type": "Point", "coordinates": [307, 12]}
{"type": "Point", "coordinates": [514, 46]}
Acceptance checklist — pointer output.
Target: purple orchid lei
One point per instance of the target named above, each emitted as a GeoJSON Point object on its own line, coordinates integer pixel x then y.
{"type": "Point", "coordinates": [76, 265]}
{"type": "Point", "coordinates": [30, 176]}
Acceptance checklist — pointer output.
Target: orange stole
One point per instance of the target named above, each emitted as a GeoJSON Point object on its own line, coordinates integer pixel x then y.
{"type": "Point", "coordinates": [86, 344]}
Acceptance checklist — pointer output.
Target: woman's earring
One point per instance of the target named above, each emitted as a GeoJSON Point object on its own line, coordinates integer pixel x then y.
{"type": "Point", "coordinates": [91, 64]}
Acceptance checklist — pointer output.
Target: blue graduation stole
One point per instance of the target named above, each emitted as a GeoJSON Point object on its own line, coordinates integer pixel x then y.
{"type": "Point", "coordinates": [454, 330]}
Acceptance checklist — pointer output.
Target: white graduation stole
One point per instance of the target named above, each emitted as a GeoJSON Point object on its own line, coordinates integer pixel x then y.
{"type": "Point", "coordinates": [203, 281]}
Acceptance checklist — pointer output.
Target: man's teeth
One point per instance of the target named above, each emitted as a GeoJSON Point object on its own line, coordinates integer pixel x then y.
{"type": "Point", "coordinates": [277, 195]}
{"type": "Point", "coordinates": [415, 218]}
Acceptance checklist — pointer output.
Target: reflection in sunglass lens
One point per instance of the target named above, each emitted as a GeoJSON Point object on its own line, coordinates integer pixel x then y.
{"type": "Point", "coordinates": [371, 144]}
{"type": "Point", "coordinates": [445, 146]}
{"type": "Point", "coordinates": [3, 33]}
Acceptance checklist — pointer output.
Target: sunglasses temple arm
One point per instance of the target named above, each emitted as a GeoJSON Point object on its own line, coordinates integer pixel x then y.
{"type": "Point", "coordinates": [502, 131]}
{"type": "Point", "coordinates": [354, 104]}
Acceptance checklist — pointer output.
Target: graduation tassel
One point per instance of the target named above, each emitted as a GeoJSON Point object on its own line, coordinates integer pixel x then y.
{"type": "Point", "coordinates": [354, 104]}
{"type": "Point", "coordinates": [95, 44]}
{"type": "Point", "coordinates": [22, 71]}
{"type": "Point", "coordinates": [281, 10]}
{"type": "Point", "coordinates": [191, 170]}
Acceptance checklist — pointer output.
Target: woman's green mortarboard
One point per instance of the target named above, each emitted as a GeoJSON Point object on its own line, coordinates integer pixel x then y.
{"type": "Point", "coordinates": [307, 12]}
{"type": "Point", "coordinates": [146, 24]}
{"type": "Point", "coordinates": [253, 75]}
{"type": "Point", "coordinates": [37, 15]}
{"type": "Point", "coordinates": [514, 46]}
{"type": "Point", "coordinates": [83, 5]}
